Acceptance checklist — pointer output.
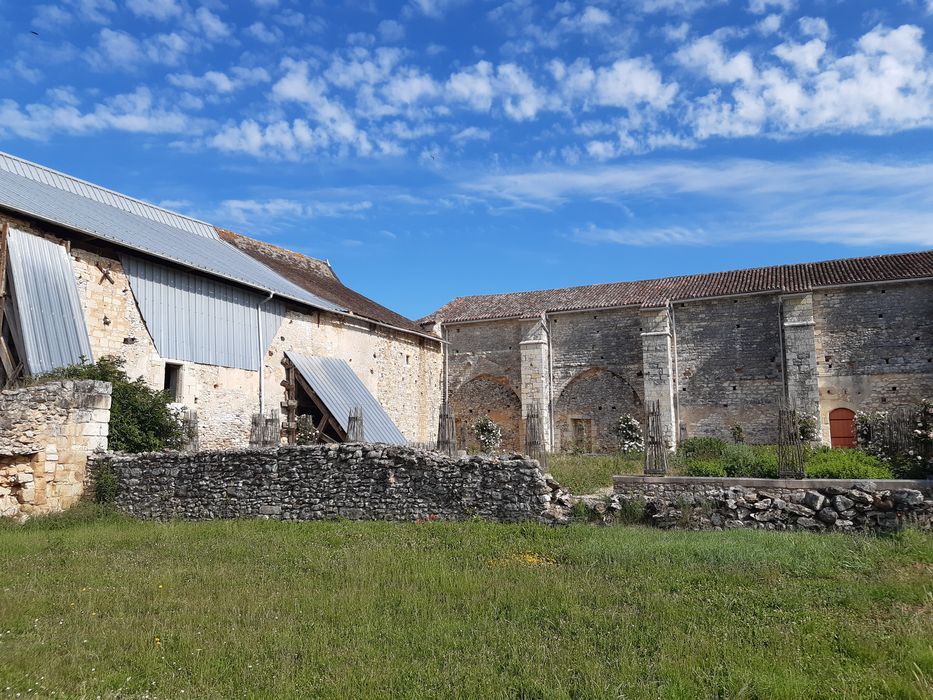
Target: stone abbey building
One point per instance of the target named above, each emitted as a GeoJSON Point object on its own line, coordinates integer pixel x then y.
{"type": "Point", "coordinates": [715, 350]}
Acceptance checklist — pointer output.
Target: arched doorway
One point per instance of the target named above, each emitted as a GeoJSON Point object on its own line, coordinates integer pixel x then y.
{"type": "Point", "coordinates": [842, 427]}
{"type": "Point", "coordinates": [588, 409]}
{"type": "Point", "coordinates": [492, 396]}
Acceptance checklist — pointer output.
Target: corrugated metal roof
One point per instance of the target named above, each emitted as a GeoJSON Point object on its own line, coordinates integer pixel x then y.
{"type": "Point", "coordinates": [146, 235]}
{"type": "Point", "coordinates": [787, 279]}
{"type": "Point", "coordinates": [336, 384]}
{"type": "Point", "coordinates": [48, 308]}
{"type": "Point", "coordinates": [199, 319]}
{"type": "Point", "coordinates": [47, 176]}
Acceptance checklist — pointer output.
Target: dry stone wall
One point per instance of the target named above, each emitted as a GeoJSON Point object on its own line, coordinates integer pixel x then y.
{"type": "Point", "coordinates": [47, 433]}
{"type": "Point", "coordinates": [358, 482]}
{"type": "Point", "coordinates": [771, 504]}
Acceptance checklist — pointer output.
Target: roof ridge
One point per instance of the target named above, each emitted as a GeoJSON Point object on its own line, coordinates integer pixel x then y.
{"type": "Point", "coordinates": [105, 192]}
{"type": "Point", "coordinates": [693, 274]}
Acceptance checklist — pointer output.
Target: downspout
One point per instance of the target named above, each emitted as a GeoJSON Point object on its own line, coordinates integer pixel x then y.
{"type": "Point", "coordinates": [546, 323]}
{"type": "Point", "coordinates": [445, 346]}
{"type": "Point", "coordinates": [262, 352]}
{"type": "Point", "coordinates": [676, 382]}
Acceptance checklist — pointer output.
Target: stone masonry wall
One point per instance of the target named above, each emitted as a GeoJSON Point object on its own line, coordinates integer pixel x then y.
{"type": "Point", "coordinates": [47, 432]}
{"type": "Point", "coordinates": [359, 482]}
{"type": "Point", "coordinates": [773, 504]}
{"type": "Point", "coordinates": [729, 363]}
{"type": "Point", "coordinates": [874, 346]}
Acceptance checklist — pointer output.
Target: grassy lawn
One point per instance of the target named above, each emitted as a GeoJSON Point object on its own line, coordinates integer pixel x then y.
{"type": "Point", "coordinates": [114, 608]}
{"type": "Point", "coordinates": [583, 474]}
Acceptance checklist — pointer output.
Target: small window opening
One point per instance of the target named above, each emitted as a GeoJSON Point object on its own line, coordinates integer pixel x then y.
{"type": "Point", "coordinates": [172, 385]}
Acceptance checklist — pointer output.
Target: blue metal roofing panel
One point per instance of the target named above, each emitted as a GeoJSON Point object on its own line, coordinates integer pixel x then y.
{"type": "Point", "coordinates": [335, 383]}
{"type": "Point", "coordinates": [146, 235]}
{"type": "Point", "coordinates": [48, 309]}
{"type": "Point", "coordinates": [199, 319]}
{"type": "Point", "coordinates": [40, 173]}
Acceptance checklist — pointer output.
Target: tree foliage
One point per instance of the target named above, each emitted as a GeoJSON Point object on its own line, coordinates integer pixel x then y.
{"type": "Point", "coordinates": [141, 418]}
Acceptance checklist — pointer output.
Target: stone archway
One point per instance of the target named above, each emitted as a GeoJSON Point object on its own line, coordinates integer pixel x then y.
{"type": "Point", "coordinates": [588, 408]}
{"type": "Point", "coordinates": [492, 396]}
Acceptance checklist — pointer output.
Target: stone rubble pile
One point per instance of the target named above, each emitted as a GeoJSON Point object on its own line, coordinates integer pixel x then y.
{"type": "Point", "coordinates": [848, 506]}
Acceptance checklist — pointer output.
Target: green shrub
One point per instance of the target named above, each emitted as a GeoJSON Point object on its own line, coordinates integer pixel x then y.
{"type": "Point", "coordinates": [105, 483]}
{"type": "Point", "coordinates": [702, 448]}
{"type": "Point", "coordinates": [750, 461]}
{"type": "Point", "coordinates": [827, 463]}
{"type": "Point", "coordinates": [705, 467]}
{"type": "Point", "coordinates": [141, 419]}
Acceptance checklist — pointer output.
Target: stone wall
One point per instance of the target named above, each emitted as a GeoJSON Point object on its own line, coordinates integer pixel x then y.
{"type": "Point", "coordinates": [874, 346]}
{"type": "Point", "coordinates": [359, 482]}
{"type": "Point", "coordinates": [771, 504]}
{"type": "Point", "coordinates": [403, 371]}
{"type": "Point", "coordinates": [47, 432]}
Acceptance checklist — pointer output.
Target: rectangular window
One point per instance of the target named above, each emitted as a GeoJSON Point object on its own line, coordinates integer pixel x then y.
{"type": "Point", "coordinates": [173, 381]}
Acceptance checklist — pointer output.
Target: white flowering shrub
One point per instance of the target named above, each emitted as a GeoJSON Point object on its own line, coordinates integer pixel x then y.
{"type": "Point", "coordinates": [628, 432]}
{"type": "Point", "coordinates": [488, 433]}
{"type": "Point", "coordinates": [808, 427]}
{"type": "Point", "coordinates": [871, 432]}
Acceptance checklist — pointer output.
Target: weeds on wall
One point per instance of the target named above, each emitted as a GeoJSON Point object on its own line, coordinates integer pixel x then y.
{"type": "Point", "coordinates": [106, 485]}
{"type": "Point", "coordinates": [141, 418]}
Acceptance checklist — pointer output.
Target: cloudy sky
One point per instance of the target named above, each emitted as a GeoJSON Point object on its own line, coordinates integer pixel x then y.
{"type": "Point", "coordinates": [438, 148]}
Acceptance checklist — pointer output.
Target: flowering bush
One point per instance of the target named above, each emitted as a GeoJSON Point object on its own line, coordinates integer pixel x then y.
{"type": "Point", "coordinates": [628, 431]}
{"type": "Point", "coordinates": [807, 426]}
{"type": "Point", "coordinates": [872, 431]}
{"type": "Point", "coordinates": [488, 433]}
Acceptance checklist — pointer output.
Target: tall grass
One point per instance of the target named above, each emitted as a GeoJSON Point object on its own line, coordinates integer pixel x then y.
{"type": "Point", "coordinates": [114, 608]}
{"type": "Point", "coordinates": [586, 473]}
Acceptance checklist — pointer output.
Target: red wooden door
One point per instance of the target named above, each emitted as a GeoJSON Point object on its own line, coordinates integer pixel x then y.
{"type": "Point", "coordinates": [842, 427]}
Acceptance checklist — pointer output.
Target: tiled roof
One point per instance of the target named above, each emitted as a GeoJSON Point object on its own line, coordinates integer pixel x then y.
{"type": "Point", "coordinates": [782, 278]}
{"type": "Point", "coordinates": [317, 277]}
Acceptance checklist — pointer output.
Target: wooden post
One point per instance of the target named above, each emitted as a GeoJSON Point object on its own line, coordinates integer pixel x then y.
{"type": "Point", "coordinates": [534, 435]}
{"type": "Point", "coordinates": [6, 357]}
{"type": "Point", "coordinates": [655, 449]}
{"type": "Point", "coordinates": [446, 437]}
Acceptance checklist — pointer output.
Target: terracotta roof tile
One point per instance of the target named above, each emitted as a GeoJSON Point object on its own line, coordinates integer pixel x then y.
{"type": "Point", "coordinates": [782, 278]}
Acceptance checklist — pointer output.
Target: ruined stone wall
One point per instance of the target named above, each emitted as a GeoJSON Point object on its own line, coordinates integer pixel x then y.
{"type": "Point", "coordinates": [701, 503]}
{"type": "Point", "coordinates": [597, 373]}
{"type": "Point", "coordinates": [47, 432]}
{"type": "Point", "coordinates": [359, 482]}
{"type": "Point", "coordinates": [485, 377]}
{"type": "Point", "coordinates": [729, 366]}
{"type": "Point", "coordinates": [404, 372]}
{"type": "Point", "coordinates": [874, 346]}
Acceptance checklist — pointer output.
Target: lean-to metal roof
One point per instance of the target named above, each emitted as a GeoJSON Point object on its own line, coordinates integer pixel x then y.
{"type": "Point", "coordinates": [337, 385]}
{"type": "Point", "coordinates": [27, 189]}
{"type": "Point", "coordinates": [49, 320]}
{"type": "Point", "coordinates": [200, 319]}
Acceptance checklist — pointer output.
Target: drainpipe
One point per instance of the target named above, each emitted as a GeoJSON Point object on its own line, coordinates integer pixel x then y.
{"type": "Point", "coordinates": [676, 383]}
{"type": "Point", "coordinates": [546, 322]}
{"type": "Point", "coordinates": [262, 352]}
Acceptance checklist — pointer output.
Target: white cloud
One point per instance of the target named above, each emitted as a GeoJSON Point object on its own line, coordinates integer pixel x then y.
{"type": "Point", "coordinates": [815, 26]}
{"type": "Point", "coordinates": [760, 7]}
{"type": "Point", "coordinates": [770, 24]}
{"type": "Point", "coordinates": [155, 9]}
{"type": "Point", "coordinates": [827, 200]}
{"type": "Point", "coordinates": [471, 133]}
{"type": "Point", "coordinates": [431, 8]}
{"type": "Point", "coordinates": [211, 25]}
{"type": "Point", "coordinates": [885, 85]}
{"type": "Point", "coordinates": [118, 50]}
{"type": "Point", "coordinates": [216, 81]}
{"type": "Point", "coordinates": [629, 82]}
{"type": "Point", "coordinates": [135, 112]}
{"type": "Point", "coordinates": [264, 33]}
{"type": "Point", "coordinates": [96, 11]}
{"type": "Point", "coordinates": [521, 98]}
{"type": "Point", "coordinates": [258, 212]}
{"type": "Point", "coordinates": [51, 17]}
{"type": "Point", "coordinates": [390, 30]}
{"type": "Point", "coordinates": [473, 86]}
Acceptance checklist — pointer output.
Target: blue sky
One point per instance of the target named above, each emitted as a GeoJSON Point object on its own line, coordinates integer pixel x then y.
{"type": "Point", "coordinates": [437, 148]}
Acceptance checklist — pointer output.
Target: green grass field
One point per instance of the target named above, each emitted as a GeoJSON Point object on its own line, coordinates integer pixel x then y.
{"type": "Point", "coordinates": [107, 607]}
{"type": "Point", "coordinates": [585, 473]}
